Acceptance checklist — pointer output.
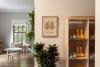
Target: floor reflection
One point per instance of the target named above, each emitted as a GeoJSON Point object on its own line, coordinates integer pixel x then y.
{"type": "Point", "coordinates": [25, 61]}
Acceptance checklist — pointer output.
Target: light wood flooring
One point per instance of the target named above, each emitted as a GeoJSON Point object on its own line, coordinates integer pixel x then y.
{"type": "Point", "coordinates": [26, 60]}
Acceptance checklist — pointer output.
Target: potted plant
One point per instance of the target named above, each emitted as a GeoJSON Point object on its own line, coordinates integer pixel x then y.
{"type": "Point", "coordinates": [46, 57]}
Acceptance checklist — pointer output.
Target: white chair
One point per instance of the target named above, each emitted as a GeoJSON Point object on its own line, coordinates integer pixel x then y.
{"type": "Point", "coordinates": [11, 53]}
{"type": "Point", "coordinates": [25, 47]}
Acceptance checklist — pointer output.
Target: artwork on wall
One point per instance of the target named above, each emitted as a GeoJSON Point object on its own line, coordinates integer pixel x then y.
{"type": "Point", "coordinates": [50, 26]}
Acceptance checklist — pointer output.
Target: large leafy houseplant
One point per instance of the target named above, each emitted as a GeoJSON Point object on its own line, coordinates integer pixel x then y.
{"type": "Point", "coordinates": [46, 57]}
{"type": "Point", "coordinates": [30, 35]}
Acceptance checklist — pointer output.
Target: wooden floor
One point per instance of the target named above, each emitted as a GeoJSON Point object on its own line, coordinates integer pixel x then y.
{"type": "Point", "coordinates": [26, 60]}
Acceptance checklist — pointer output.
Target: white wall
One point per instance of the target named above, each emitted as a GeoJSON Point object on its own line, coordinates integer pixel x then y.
{"type": "Point", "coordinates": [62, 9]}
{"type": "Point", "coordinates": [5, 24]}
{"type": "Point", "coordinates": [97, 30]}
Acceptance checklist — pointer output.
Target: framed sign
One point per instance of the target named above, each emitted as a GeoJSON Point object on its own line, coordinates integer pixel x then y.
{"type": "Point", "coordinates": [50, 26]}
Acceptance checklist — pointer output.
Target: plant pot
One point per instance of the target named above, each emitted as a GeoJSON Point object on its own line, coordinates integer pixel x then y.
{"type": "Point", "coordinates": [52, 65]}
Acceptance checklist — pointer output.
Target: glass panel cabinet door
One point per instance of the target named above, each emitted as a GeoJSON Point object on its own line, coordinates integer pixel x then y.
{"type": "Point", "coordinates": [81, 41]}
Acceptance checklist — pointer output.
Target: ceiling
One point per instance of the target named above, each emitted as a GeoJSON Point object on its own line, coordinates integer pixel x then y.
{"type": "Point", "coordinates": [16, 5]}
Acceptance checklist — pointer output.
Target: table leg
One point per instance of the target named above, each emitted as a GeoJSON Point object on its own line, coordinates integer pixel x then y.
{"type": "Point", "coordinates": [27, 49]}
{"type": "Point", "coordinates": [7, 54]}
{"type": "Point", "coordinates": [19, 54]}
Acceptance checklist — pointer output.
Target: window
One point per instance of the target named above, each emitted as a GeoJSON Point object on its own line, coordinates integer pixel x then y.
{"type": "Point", "coordinates": [19, 31]}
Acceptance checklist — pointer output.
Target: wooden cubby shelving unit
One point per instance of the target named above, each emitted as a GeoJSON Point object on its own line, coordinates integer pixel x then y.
{"type": "Point", "coordinates": [80, 41]}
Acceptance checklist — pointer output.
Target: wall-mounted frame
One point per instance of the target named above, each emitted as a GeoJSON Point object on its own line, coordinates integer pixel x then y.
{"type": "Point", "coordinates": [50, 26]}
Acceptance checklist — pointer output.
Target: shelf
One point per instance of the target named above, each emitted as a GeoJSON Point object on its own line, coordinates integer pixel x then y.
{"type": "Point", "coordinates": [78, 59]}
{"type": "Point", "coordinates": [81, 17]}
{"type": "Point", "coordinates": [77, 63]}
{"type": "Point", "coordinates": [81, 41]}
